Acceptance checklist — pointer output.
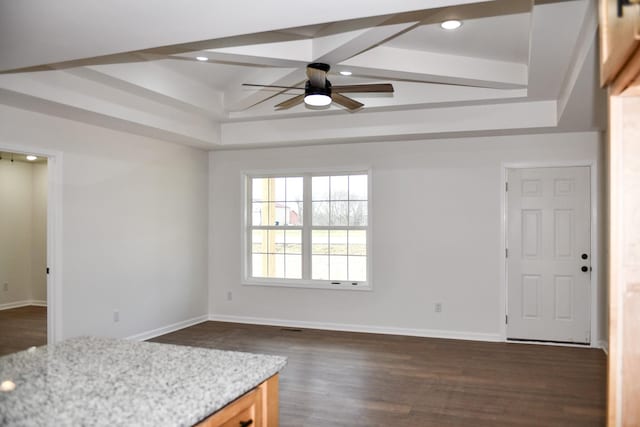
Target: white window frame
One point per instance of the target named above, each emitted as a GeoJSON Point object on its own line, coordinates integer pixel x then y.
{"type": "Point", "coordinates": [246, 278]}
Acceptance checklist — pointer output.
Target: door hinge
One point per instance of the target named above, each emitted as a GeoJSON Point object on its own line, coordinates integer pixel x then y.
{"type": "Point", "coordinates": [506, 253]}
{"type": "Point", "coordinates": [506, 186]}
{"type": "Point", "coordinates": [506, 319]}
{"type": "Point", "coordinates": [47, 270]}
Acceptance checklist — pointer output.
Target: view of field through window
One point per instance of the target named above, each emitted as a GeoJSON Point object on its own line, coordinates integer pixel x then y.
{"type": "Point", "coordinates": [334, 243]}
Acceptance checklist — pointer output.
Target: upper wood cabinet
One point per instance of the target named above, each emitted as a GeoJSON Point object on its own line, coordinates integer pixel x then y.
{"type": "Point", "coordinates": [619, 42]}
{"type": "Point", "coordinates": [620, 71]}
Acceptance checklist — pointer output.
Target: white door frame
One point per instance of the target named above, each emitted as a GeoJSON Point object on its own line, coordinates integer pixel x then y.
{"type": "Point", "coordinates": [54, 234]}
{"type": "Point", "coordinates": [595, 229]}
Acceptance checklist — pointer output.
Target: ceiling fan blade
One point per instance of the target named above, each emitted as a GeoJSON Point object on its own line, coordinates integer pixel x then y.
{"type": "Point", "coordinates": [376, 87]}
{"type": "Point", "coordinates": [284, 89]}
{"type": "Point", "coordinates": [345, 101]}
{"type": "Point", "coordinates": [317, 77]}
{"type": "Point", "coordinates": [275, 86]}
{"type": "Point", "coordinates": [290, 102]}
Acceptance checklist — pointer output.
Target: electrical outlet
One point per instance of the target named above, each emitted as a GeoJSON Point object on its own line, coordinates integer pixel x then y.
{"type": "Point", "coordinates": [438, 307]}
{"type": "Point", "coordinates": [229, 296]}
{"type": "Point", "coordinates": [5, 286]}
{"type": "Point", "coordinates": [116, 315]}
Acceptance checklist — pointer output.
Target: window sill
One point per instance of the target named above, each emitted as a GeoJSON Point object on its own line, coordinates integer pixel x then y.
{"type": "Point", "coordinates": [343, 286]}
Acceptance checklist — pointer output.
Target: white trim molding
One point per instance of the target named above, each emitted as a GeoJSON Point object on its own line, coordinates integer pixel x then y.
{"type": "Point", "coordinates": [343, 327]}
{"type": "Point", "coordinates": [38, 303]}
{"type": "Point", "coordinates": [23, 303]}
{"type": "Point", "coordinates": [143, 336]}
{"type": "Point", "coordinates": [604, 345]}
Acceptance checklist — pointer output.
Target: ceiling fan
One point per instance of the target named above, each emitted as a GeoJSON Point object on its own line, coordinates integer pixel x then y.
{"type": "Point", "coordinates": [318, 91]}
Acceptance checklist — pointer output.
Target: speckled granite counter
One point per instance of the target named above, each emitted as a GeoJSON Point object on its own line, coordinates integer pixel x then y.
{"type": "Point", "coordinates": [101, 381]}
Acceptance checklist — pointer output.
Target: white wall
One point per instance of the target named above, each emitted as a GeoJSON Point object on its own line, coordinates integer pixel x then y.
{"type": "Point", "coordinates": [134, 225]}
{"type": "Point", "coordinates": [16, 205]}
{"type": "Point", "coordinates": [443, 247]}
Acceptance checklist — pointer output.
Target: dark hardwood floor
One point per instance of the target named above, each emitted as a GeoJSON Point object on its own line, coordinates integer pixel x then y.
{"type": "Point", "coordinates": [21, 328]}
{"type": "Point", "coordinates": [348, 379]}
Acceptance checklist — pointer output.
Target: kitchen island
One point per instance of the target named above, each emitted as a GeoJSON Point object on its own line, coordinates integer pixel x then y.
{"type": "Point", "coordinates": [104, 381]}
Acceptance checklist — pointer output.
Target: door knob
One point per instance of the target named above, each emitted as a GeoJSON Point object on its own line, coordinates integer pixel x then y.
{"type": "Point", "coordinates": [584, 268]}
{"type": "Point", "coordinates": [584, 256]}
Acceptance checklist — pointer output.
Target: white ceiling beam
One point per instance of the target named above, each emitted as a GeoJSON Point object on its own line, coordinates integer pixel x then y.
{"type": "Point", "coordinates": [66, 90]}
{"type": "Point", "coordinates": [586, 108]}
{"type": "Point", "coordinates": [554, 36]}
{"type": "Point", "coordinates": [284, 53]}
{"type": "Point", "coordinates": [394, 63]}
{"type": "Point", "coordinates": [277, 63]}
{"type": "Point", "coordinates": [33, 32]}
{"type": "Point", "coordinates": [239, 98]}
{"type": "Point", "coordinates": [338, 45]}
{"type": "Point", "coordinates": [390, 124]}
{"type": "Point", "coordinates": [584, 45]}
{"type": "Point", "coordinates": [52, 108]}
{"type": "Point", "coordinates": [159, 84]}
{"type": "Point", "coordinates": [330, 48]}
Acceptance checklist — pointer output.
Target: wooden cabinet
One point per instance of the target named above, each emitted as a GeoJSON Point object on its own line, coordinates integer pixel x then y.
{"type": "Point", "coordinates": [619, 44]}
{"type": "Point", "coordinates": [243, 412]}
{"type": "Point", "coordinates": [257, 408]}
{"type": "Point", "coordinates": [624, 262]}
{"type": "Point", "coordinates": [620, 71]}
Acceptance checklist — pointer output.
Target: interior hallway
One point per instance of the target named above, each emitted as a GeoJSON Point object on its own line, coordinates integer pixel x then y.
{"type": "Point", "coordinates": [21, 328]}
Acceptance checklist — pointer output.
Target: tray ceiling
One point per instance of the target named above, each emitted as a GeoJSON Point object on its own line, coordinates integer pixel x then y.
{"type": "Point", "coordinates": [513, 66]}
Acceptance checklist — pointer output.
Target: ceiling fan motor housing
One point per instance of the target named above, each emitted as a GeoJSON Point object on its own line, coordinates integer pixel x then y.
{"type": "Point", "coordinates": [320, 66]}
{"type": "Point", "coordinates": [310, 89]}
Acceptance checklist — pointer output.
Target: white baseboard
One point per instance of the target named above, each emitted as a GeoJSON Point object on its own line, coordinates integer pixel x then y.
{"type": "Point", "coordinates": [168, 329]}
{"type": "Point", "coordinates": [23, 303]}
{"type": "Point", "coordinates": [604, 345]}
{"type": "Point", "coordinates": [427, 333]}
{"type": "Point", "coordinates": [38, 303]}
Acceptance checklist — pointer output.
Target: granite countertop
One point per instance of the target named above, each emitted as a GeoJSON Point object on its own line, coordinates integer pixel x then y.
{"type": "Point", "coordinates": [104, 381]}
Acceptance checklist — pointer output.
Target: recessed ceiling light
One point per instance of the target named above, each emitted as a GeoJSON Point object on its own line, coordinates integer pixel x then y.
{"type": "Point", "coordinates": [346, 73]}
{"type": "Point", "coordinates": [202, 58]}
{"type": "Point", "coordinates": [31, 158]}
{"type": "Point", "coordinates": [452, 24]}
{"type": "Point", "coordinates": [7, 385]}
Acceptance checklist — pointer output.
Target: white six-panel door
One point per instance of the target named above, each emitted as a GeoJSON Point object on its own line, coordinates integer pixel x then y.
{"type": "Point", "coordinates": [548, 254]}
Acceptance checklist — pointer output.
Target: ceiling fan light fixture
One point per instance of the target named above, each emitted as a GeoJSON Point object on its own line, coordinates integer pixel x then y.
{"type": "Point", "coordinates": [451, 24]}
{"type": "Point", "coordinates": [317, 96]}
{"type": "Point", "coordinates": [317, 100]}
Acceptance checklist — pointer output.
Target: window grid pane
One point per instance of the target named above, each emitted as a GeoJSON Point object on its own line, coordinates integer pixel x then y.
{"type": "Point", "coordinates": [277, 201]}
{"type": "Point", "coordinates": [337, 252]}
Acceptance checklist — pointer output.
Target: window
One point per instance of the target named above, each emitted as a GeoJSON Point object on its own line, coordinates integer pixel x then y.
{"type": "Point", "coordinates": [308, 230]}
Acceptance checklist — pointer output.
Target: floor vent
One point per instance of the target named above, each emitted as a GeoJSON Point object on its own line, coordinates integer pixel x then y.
{"type": "Point", "coordinates": [290, 330]}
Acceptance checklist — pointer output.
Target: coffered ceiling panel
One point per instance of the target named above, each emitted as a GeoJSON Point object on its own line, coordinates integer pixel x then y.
{"type": "Point", "coordinates": [509, 58]}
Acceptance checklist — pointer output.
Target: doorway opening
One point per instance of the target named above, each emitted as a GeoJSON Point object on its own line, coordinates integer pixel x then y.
{"type": "Point", "coordinates": [30, 203]}
{"type": "Point", "coordinates": [23, 251]}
